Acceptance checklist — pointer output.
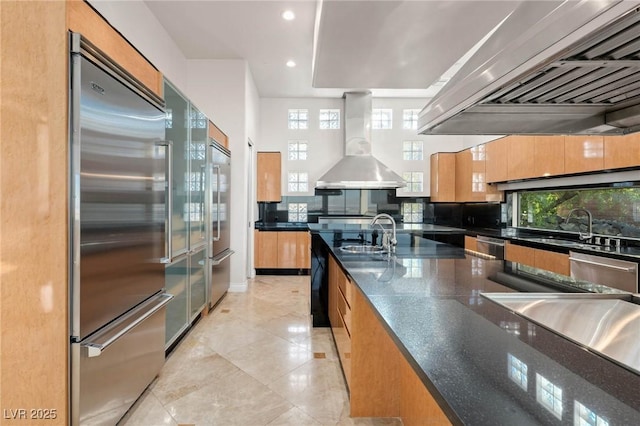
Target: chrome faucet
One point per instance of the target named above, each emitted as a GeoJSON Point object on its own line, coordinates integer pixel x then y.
{"type": "Point", "coordinates": [589, 234]}
{"type": "Point", "coordinates": [389, 243]}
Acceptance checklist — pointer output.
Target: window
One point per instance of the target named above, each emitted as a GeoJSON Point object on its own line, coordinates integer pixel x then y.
{"type": "Point", "coordinates": [298, 150]}
{"type": "Point", "coordinates": [299, 119]}
{"type": "Point", "coordinates": [517, 371]}
{"type": "Point", "coordinates": [197, 151]}
{"type": "Point", "coordinates": [414, 181]}
{"type": "Point", "coordinates": [412, 150]}
{"type": "Point", "coordinates": [583, 416]}
{"type": "Point", "coordinates": [298, 181]}
{"type": "Point", "coordinates": [615, 211]}
{"type": "Point", "coordinates": [412, 212]}
{"type": "Point", "coordinates": [410, 119]}
{"type": "Point", "coordinates": [297, 212]}
{"type": "Point", "coordinates": [549, 396]}
{"type": "Point", "coordinates": [198, 120]}
{"type": "Point", "coordinates": [168, 118]}
{"type": "Point", "coordinates": [382, 118]}
{"type": "Point", "coordinates": [329, 118]}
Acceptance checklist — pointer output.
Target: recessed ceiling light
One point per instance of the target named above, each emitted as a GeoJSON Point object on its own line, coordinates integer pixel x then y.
{"type": "Point", "coordinates": [291, 63]}
{"type": "Point", "coordinates": [288, 15]}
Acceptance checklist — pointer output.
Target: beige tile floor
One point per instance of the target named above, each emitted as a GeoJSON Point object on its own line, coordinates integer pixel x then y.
{"type": "Point", "coordinates": [254, 360]}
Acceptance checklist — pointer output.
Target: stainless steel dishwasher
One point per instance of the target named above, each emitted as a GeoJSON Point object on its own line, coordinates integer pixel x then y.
{"type": "Point", "coordinates": [614, 273]}
{"type": "Point", "coordinates": [491, 246]}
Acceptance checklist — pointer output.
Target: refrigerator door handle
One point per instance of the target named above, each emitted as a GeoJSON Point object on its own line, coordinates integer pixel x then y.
{"type": "Point", "coordinates": [169, 201]}
{"type": "Point", "coordinates": [216, 260]}
{"type": "Point", "coordinates": [217, 237]}
{"type": "Point", "coordinates": [96, 347]}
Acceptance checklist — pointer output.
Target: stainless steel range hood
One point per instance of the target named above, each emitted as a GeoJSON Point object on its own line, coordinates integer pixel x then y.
{"type": "Point", "coordinates": [551, 67]}
{"type": "Point", "coordinates": [358, 169]}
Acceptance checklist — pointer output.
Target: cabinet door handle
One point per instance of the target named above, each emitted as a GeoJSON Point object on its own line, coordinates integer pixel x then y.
{"type": "Point", "coordinates": [217, 237]}
{"type": "Point", "coordinates": [168, 200]}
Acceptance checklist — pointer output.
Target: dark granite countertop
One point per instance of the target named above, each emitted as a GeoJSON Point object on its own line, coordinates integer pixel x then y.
{"type": "Point", "coordinates": [528, 238]}
{"type": "Point", "coordinates": [400, 228]}
{"type": "Point", "coordinates": [470, 352]}
{"type": "Point", "coordinates": [281, 226]}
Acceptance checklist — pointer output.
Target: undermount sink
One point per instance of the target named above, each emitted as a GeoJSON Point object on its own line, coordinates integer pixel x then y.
{"type": "Point", "coordinates": [362, 249]}
{"type": "Point", "coordinates": [560, 242]}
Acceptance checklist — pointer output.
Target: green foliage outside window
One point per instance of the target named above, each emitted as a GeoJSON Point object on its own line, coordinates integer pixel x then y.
{"type": "Point", "coordinates": [616, 211]}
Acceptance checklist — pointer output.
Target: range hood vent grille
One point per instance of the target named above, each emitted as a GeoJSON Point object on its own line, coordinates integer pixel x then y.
{"type": "Point", "coordinates": [600, 71]}
{"type": "Point", "coordinates": [587, 86]}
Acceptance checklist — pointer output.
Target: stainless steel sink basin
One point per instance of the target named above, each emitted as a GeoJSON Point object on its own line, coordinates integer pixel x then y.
{"type": "Point", "coordinates": [560, 242]}
{"type": "Point", "coordinates": [362, 249]}
{"type": "Point", "coordinates": [605, 324]}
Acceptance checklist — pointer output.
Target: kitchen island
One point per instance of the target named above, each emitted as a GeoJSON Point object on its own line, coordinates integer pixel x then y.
{"type": "Point", "coordinates": [480, 363]}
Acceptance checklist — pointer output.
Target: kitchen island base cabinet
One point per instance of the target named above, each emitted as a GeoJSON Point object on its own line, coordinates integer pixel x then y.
{"type": "Point", "coordinates": [383, 383]}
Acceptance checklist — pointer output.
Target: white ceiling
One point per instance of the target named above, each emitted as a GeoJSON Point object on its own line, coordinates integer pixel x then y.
{"type": "Point", "coordinates": [396, 48]}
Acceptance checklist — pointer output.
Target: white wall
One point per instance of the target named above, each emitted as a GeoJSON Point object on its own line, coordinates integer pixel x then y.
{"type": "Point", "coordinates": [325, 146]}
{"type": "Point", "coordinates": [252, 102]}
{"type": "Point", "coordinates": [225, 91]}
{"type": "Point", "coordinates": [138, 24]}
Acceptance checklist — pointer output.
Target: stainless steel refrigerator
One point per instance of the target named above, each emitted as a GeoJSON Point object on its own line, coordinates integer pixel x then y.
{"type": "Point", "coordinates": [118, 218]}
{"type": "Point", "coordinates": [219, 252]}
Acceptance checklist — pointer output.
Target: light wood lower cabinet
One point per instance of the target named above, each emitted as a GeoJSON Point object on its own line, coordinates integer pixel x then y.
{"type": "Point", "coordinates": [470, 243]}
{"type": "Point", "coordinates": [340, 308]}
{"type": "Point", "coordinates": [537, 258]}
{"type": "Point", "coordinates": [381, 381]}
{"type": "Point", "coordinates": [282, 250]}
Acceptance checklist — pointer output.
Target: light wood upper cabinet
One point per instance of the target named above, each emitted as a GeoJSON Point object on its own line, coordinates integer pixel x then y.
{"type": "Point", "coordinates": [218, 135]}
{"type": "Point", "coordinates": [81, 18]}
{"type": "Point", "coordinates": [443, 178]}
{"type": "Point", "coordinates": [464, 171]}
{"type": "Point", "coordinates": [269, 170]}
{"type": "Point", "coordinates": [497, 153]}
{"type": "Point", "coordinates": [471, 177]}
{"type": "Point", "coordinates": [548, 156]}
{"type": "Point", "coordinates": [520, 155]}
{"type": "Point", "coordinates": [622, 151]}
{"type": "Point", "coordinates": [583, 153]}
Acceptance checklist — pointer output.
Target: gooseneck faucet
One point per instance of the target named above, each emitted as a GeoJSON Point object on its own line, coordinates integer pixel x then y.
{"type": "Point", "coordinates": [390, 244]}
{"type": "Point", "coordinates": [589, 234]}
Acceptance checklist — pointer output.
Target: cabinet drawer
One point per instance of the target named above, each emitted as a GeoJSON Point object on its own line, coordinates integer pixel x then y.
{"type": "Point", "coordinates": [345, 312]}
{"type": "Point", "coordinates": [345, 288]}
